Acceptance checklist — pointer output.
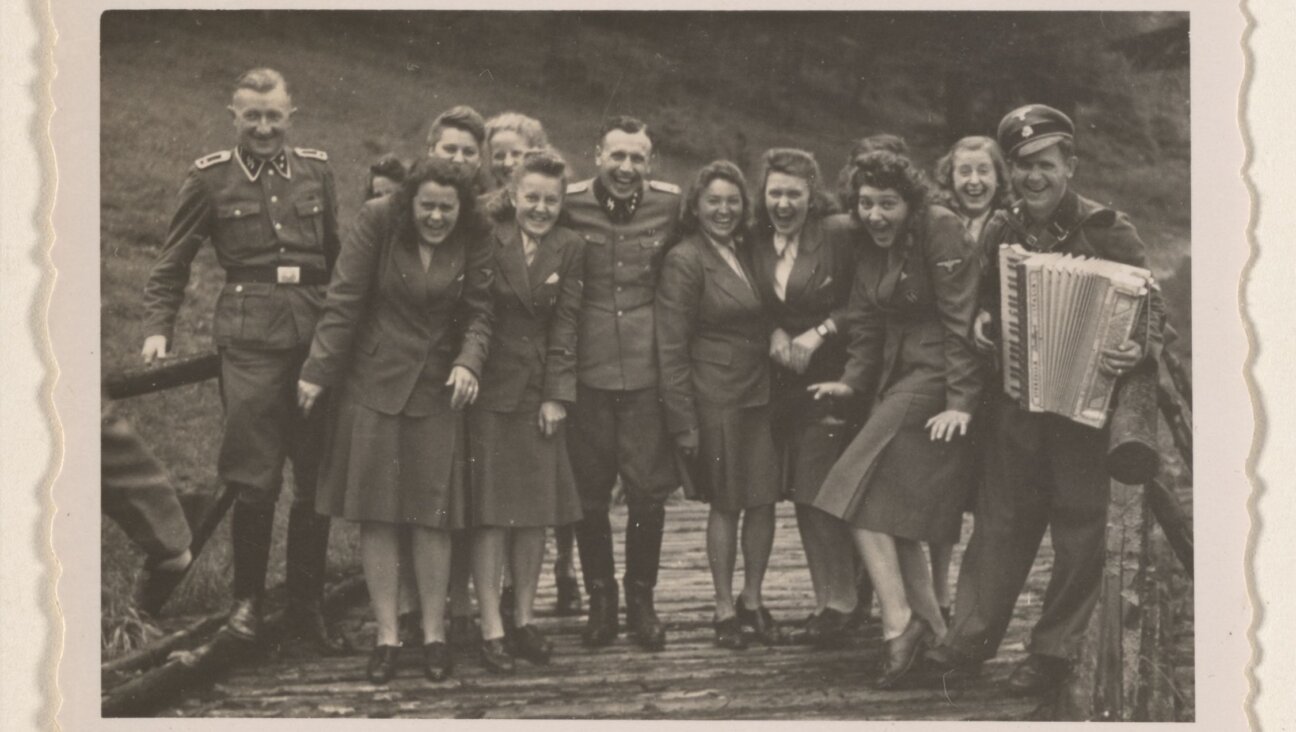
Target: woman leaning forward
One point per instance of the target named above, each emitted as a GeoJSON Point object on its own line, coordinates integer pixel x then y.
{"type": "Point", "coordinates": [403, 336]}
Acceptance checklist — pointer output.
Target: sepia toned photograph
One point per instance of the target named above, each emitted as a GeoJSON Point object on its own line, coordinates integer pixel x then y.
{"type": "Point", "coordinates": [666, 365]}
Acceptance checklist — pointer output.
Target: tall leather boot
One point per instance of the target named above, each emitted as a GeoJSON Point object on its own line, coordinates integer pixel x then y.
{"type": "Point", "coordinates": [643, 555]}
{"type": "Point", "coordinates": [594, 541]}
{"type": "Point", "coordinates": [251, 529]}
{"type": "Point", "coordinates": [603, 624]}
{"type": "Point", "coordinates": [307, 552]}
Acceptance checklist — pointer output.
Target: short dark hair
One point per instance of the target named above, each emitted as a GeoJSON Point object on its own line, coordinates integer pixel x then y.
{"type": "Point", "coordinates": [388, 166]}
{"type": "Point", "coordinates": [972, 143]}
{"type": "Point", "coordinates": [262, 80]}
{"type": "Point", "coordinates": [712, 171]}
{"type": "Point", "coordinates": [883, 169]}
{"type": "Point", "coordinates": [627, 124]}
{"type": "Point", "coordinates": [797, 163]}
{"type": "Point", "coordinates": [442, 172]}
{"type": "Point", "coordinates": [460, 117]}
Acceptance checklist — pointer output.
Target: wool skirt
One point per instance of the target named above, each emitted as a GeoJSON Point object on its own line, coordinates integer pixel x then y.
{"type": "Point", "coordinates": [736, 466]}
{"type": "Point", "coordinates": [895, 480]}
{"type": "Point", "coordinates": [395, 468]}
{"type": "Point", "coordinates": [518, 476]}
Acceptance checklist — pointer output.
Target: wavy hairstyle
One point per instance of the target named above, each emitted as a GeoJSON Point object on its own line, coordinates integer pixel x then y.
{"type": "Point", "coordinates": [945, 171]}
{"type": "Point", "coordinates": [498, 205]}
{"type": "Point", "coordinates": [861, 147]}
{"type": "Point", "coordinates": [442, 172]}
{"type": "Point", "coordinates": [461, 117]}
{"type": "Point", "coordinates": [528, 128]}
{"type": "Point", "coordinates": [799, 164]}
{"type": "Point", "coordinates": [884, 169]}
{"type": "Point", "coordinates": [712, 171]}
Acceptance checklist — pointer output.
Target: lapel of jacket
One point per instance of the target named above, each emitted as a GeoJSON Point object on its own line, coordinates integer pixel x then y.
{"type": "Point", "coordinates": [546, 262]}
{"type": "Point", "coordinates": [725, 278]}
{"type": "Point", "coordinates": [405, 259]}
{"type": "Point", "coordinates": [761, 271]}
{"type": "Point", "coordinates": [894, 258]}
{"type": "Point", "coordinates": [806, 263]}
{"type": "Point", "coordinates": [512, 262]}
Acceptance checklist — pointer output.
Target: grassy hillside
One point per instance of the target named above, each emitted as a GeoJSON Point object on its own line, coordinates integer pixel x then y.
{"type": "Point", "coordinates": [368, 83]}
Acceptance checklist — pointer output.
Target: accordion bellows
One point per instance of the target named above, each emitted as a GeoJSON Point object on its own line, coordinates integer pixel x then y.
{"type": "Point", "coordinates": [1059, 313]}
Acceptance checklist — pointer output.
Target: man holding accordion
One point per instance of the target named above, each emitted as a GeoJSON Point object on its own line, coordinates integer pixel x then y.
{"type": "Point", "coordinates": [1042, 470]}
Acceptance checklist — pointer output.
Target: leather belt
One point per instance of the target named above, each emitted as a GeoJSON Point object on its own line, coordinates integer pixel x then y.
{"type": "Point", "coordinates": [278, 275]}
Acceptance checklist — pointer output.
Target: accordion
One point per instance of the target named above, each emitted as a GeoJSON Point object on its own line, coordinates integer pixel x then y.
{"type": "Point", "coordinates": [1059, 313]}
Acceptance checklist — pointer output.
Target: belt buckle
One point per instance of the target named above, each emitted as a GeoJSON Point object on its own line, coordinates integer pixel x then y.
{"type": "Point", "coordinates": [288, 275]}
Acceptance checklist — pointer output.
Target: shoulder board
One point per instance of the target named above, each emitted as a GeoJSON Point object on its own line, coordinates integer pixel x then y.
{"type": "Point", "coordinates": [664, 187]}
{"type": "Point", "coordinates": [306, 152]}
{"type": "Point", "coordinates": [206, 161]}
{"type": "Point", "coordinates": [579, 186]}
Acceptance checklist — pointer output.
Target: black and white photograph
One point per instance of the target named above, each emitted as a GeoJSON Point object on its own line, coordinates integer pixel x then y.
{"type": "Point", "coordinates": [647, 365]}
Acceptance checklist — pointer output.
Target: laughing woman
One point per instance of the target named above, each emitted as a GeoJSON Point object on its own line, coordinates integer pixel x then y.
{"type": "Point", "coordinates": [521, 480]}
{"type": "Point", "coordinates": [903, 480]}
{"type": "Point", "coordinates": [403, 336]}
{"type": "Point", "coordinates": [802, 265]}
{"type": "Point", "coordinates": [712, 347]}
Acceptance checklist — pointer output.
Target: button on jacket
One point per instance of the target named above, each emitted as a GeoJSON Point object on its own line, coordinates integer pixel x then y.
{"type": "Point", "coordinates": [391, 328]}
{"type": "Point", "coordinates": [533, 339]}
{"type": "Point", "coordinates": [265, 217]}
{"type": "Point", "coordinates": [622, 262]}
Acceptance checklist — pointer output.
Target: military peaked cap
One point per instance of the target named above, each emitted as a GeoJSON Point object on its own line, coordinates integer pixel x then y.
{"type": "Point", "coordinates": [1032, 128]}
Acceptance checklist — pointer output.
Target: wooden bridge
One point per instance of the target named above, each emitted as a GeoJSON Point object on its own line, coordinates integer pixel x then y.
{"type": "Point", "coordinates": [1137, 662]}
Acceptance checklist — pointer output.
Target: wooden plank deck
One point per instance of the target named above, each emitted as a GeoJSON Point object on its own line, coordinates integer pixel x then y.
{"type": "Point", "coordinates": [691, 679]}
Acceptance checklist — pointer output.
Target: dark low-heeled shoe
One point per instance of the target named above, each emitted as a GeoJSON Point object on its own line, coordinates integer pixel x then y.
{"type": "Point", "coordinates": [382, 664]}
{"type": "Point", "coordinates": [901, 652]}
{"type": "Point", "coordinates": [437, 661]}
{"type": "Point", "coordinates": [530, 643]}
{"type": "Point", "coordinates": [828, 629]}
{"type": "Point", "coordinates": [760, 621]}
{"type": "Point", "coordinates": [1038, 674]}
{"type": "Point", "coordinates": [495, 657]}
{"type": "Point", "coordinates": [729, 634]}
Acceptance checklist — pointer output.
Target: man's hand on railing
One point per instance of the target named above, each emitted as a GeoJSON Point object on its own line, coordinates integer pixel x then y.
{"type": "Point", "coordinates": [155, 347]}
{"type": "Point", "coordinates": [307, 394]}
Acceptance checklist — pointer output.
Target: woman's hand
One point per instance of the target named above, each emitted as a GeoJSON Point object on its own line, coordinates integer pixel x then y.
{"type": "Point", "coordinates": [781, 348]}
{"type": "Point", "coordinates": [948, 424]}
{"type": "Point", "coordinates": [551, 415]}
{"type": "Point", "coordinates": [1116, 361]}
{"type": "Point", "coordinates": [687, 442]}
{"type": "Point", "coordinates": [980, 338]}
{"type": "Point", "coordinates": [831, 389]}
{"type": "Point", "coordinates": [307, 395]}
{"type": "Point", "coordinates": [803, 347]}
{"type": "Point", "coordinates": [464, 383]}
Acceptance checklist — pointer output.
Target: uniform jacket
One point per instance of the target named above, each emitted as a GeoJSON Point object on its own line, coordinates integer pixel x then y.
{"type": "Point", "coordinates": [621, 265]}
{"type": "Point", "coordinates": [1078, 226]}
{"type": "Point", "coordinates": [818, 287]}
{"type": "Point", "coordinates": [712, 335]}
{"type": "Point", "coordinates": [913, 307]}
{"type": "Point", "coordinates": [391, 329]}
{"type": "Point", "coordinates": [275, 216]}
{"type": "Point", "coordinates": [533, 337]}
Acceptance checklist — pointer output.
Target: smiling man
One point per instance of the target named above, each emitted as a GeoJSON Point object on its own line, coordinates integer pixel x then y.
{"type": "Point", "coordinates": [269, 211]}
{"type": "Point", "coordinates": [619, 428]}
{"type": "Point", "coordinates": [1042, 471]}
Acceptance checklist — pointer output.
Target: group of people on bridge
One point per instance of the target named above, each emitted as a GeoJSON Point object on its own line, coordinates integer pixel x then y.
{"type": "Point", "coordinates": [489, 347]}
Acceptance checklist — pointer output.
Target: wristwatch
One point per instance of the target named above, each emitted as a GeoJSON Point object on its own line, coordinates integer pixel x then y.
{"type": "Point", "coordinates": [822, 330]}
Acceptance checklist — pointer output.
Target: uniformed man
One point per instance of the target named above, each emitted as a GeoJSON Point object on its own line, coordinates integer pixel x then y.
{"type": "Point", "coordinates": [270, 212]}
{"type": "Point", "coordinates": [1041, 470]}
{"type": "Point", "coordinates": [625, 220]}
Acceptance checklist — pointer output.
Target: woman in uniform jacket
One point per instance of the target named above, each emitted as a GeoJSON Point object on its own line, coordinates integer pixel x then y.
{"type": "Point", "coordinates": [712, 346]}
{"type": "Point", "coordinates": [903, 479]}
{"type": "Point", "coordinates": [972, 179]}
{"type": "Point", "coordinates": [521, 480]}
{"type": "Point", "coordinates": [802, 262]}
{"type": "Point", "coordinates": [403, 337]}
